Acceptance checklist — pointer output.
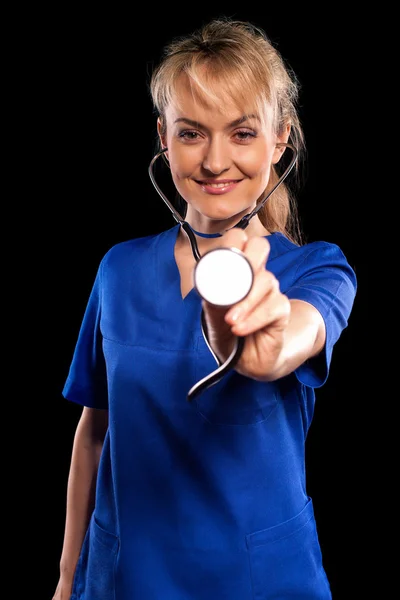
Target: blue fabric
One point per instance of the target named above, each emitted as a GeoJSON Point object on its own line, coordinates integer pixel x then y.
{"type": "Point", "coordinates": [202, 500]}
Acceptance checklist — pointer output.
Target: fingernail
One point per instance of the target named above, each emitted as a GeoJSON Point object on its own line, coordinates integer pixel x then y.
{"type": "Point", "coordinates": [235, 315]}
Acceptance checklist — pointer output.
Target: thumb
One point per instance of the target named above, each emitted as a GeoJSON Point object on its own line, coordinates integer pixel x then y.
{"type": "Point", "coordinates": [234, 238]}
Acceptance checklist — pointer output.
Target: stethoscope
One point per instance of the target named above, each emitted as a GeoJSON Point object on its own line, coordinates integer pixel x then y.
{"type": "Point", "coordinates": [222, 276]}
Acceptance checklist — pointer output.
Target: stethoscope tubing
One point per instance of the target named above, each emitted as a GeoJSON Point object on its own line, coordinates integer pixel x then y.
{"type": "Point", "coordinates": [236, 353]}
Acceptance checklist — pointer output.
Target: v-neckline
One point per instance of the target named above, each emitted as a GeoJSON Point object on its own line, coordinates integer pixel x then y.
{"type": "Point", "coordinates": [179, 317]}
{"type": "Point", "coordinates": [174, 268]}
{"type": "Point", "coordinates": [192, 290]}
{"type": "Point", "coordinates": [171, 270]}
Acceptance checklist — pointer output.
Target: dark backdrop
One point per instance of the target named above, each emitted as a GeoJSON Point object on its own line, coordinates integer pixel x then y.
{"type": "Point", "coordinates": [97, 130]}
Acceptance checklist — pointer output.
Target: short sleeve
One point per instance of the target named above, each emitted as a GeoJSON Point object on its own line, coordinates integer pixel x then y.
{"type": "Point", "coordinates": [86, 383]}
{"type": "Point", "coordinates": [326, 280]}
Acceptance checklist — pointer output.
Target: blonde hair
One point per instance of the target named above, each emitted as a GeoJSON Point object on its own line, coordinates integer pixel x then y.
{"type": "Point", "coordinates": [236, 59]}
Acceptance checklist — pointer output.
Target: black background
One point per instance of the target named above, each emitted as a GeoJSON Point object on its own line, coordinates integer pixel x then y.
{"type": "Point", "coordinates": [93, 134]}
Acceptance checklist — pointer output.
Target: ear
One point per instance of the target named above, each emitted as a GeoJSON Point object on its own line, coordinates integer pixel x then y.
{"type": "Point", "coordinates": [282, 138]}
{"type": "Point", "coordinates": [161, 133]}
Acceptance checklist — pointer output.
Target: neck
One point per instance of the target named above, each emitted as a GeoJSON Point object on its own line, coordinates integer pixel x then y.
{"type": "Point", "coordinates": [207, 241]}
{"type": "Point", "coordinates": [254, 228]}
{"type": "Point", "coordinates": [206, 235]}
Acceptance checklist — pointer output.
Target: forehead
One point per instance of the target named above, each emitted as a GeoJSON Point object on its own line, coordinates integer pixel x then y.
{"type": "Point", "coordinates": [207, 97]}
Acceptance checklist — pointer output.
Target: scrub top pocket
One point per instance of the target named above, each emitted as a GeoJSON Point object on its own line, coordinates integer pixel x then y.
{"type": "Point", "coordinates": [286, 560]}
{"type": "Point", "coordinates": [95, 572]}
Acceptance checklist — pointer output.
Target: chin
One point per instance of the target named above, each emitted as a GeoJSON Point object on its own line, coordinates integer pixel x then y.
{"type": "Point", "coordinates": [222, 212]}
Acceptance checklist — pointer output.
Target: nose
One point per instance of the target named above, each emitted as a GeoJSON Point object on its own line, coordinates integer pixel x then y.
{"type": "Point", "coordinates": [216, 157]}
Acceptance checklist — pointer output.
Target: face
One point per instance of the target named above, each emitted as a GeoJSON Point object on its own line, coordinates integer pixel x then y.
{"type": "Point", "coordinates": [220, 161]}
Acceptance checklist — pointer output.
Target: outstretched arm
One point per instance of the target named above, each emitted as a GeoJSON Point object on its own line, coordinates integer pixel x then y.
{"type": "Point", "coordinates": [281, 334]}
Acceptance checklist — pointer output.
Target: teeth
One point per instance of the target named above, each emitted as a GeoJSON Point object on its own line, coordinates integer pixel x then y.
{"type": "Point", "coordinates": [217, 185]}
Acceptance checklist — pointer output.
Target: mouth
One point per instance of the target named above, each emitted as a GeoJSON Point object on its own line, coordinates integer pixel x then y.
{"type": "Point", "coordinates": [218, 186]}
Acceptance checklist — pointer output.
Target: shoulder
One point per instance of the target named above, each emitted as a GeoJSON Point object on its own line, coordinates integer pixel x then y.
{"type": "Point", "coordinates": [316, 253]}
{"type": "Point", "coordinates": [281, 245]}
{"type": "Point", "coordinates": [316, 261]}
{"type": "Point", "coordinates": [132, 252]}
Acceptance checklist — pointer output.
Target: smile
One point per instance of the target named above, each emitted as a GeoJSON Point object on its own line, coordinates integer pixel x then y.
{"type": "Point", "coordinates": [219, 187]}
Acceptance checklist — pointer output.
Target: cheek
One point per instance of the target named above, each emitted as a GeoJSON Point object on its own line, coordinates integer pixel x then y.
{"type": "Point", "coordinates": [255, 162]}
{"type": "Point", "coordinates": [183, 163]}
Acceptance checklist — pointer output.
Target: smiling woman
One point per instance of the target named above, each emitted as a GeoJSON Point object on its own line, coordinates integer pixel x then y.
{"type": "Point", "coordinates": [206, 499]}
{"type": "Point", "coordinates": [220, 161]}
{"type": "Point", "coordinates": [231, 108]}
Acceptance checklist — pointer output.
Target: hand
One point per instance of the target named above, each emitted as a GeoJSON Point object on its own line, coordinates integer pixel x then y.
{"type": "Point", "coordinates": [262, 317]}
{"type": "Point", "coordinates": [63, 590]}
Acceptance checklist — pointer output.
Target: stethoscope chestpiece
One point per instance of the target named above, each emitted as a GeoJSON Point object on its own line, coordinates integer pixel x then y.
{"type": "Point", "coordinates": [223, 276]}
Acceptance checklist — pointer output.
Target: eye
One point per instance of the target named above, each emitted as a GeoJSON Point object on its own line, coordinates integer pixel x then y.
{"type": "Point", "coordinates": [188, 134]}
{"type": "Point", "coordinates": [244, 135]}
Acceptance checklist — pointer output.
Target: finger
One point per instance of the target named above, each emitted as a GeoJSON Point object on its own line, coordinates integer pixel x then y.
{"type": "Point", "coordinates": [257, 251]}
{"type": "Point", "coordinates": [270, 312]}
{"type": "Point", "coordinates": [264, 285]}
{"type": "Point", "coordinates": [256, 248]}
{"type": "Point", "coordinates": [234, 238]}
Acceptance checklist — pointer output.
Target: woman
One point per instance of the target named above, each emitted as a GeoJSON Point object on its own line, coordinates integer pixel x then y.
{"type": "Point", "coordinates": [185, 492]}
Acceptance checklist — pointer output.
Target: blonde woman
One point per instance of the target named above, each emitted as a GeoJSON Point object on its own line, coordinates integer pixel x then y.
{"type": "Point", "coordinates": [203, 496]}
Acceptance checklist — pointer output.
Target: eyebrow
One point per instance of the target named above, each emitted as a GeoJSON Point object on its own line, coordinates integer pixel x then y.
{"type": "Point", "coordinates": [234, 123]}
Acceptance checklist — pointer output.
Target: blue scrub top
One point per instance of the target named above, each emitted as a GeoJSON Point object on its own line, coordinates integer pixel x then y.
{"type": "Point", "coordinates": [204, 500]}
